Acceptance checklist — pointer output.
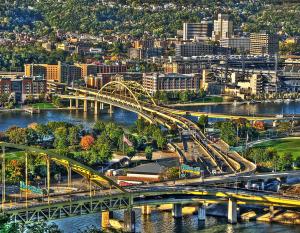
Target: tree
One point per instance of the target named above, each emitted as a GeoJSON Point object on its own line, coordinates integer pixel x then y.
{"type": "Point", "coordinates": [203, 121]}
{"type": "Point", "coordinates": [184, 96]}
{"type": "Point", "coordinates": [171, 173]}
{"type": "Point", "coordinates": [17, 135]}
{"type": "Point", "coordinates": [99, 127]}
{"type": "Point", "coordinates": [148, 152]}
{"type": "Point", "coordinates": [160, 139]}
{"type": "Point", "coordinates": [228, 133]}
{"type": "Point", "coordinates": [286, 162]}
{"type": "Point", "coordinates": [61, 138]}
{"type": "Point", "coordinates": [73, 136]}
{"type": "Point", "coordinates": [87, 142]}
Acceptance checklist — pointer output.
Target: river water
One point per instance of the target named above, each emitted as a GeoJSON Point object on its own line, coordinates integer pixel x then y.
{"type": "Point", "coordinates": [249, 109]}
{"type": "Point", "coordinates": [161, 222]}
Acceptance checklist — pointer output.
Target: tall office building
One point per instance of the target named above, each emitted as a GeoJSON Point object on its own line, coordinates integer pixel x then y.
{"type": "Point", "coordinates": [223, 27]}
{"type": "Point", "coordinates": [264, 43]}
{"type": "Point", "coordinates": [62, 73]}
{"type": "Point", "coordinates": [193, 31]}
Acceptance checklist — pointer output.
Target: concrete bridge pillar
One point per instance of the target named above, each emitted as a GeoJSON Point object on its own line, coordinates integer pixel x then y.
{"type": "Point", "coordinates": [105, 219]}
{"type": "Point", "coordinates": [96, 107]}
{"type": "Point", "coordinates": [77, 103]}
{"type": "Point", "coordinates": [177, 211]}
{"type": "Point", "coordinates": [85, 103]}
{"type": "Point", "coordinates": [129, 220]}
{"type": "Point", "coordinates": [71, 104]}
{"type": "Point", "coordinates": [101, 106]}
{"type": "Point", "coordinates": [201, 212]}
{"type": "Point", "coordinates": [232, 211]}
{"type": "Point", "coordinates": [111, 110]}
{"type": "Point", "coordinates": [146, 210]}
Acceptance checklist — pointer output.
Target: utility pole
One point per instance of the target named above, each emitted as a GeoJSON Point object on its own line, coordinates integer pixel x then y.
{"type": "Point", "coordinates": [48, 177]}
{"type": "Point", "coordinates": [3, 177]}
{"type": "Point", "coordinates": [26, 179]}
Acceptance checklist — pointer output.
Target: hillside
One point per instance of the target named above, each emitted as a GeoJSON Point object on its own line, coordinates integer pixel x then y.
{"type": "Point", "coordinates": [137, 17]}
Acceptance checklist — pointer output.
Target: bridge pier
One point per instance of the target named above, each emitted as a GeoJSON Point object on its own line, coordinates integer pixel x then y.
{"type": "Point", "coordinates": [85, 103]}
{"type": "Point", "coordinates": [96, 107]}
{"type": "Point", "coordinates": [111, 110]}
{"type": "Point", "coordinates": [71, 104]}
{"type": "Point", "coordinates": [105, 216]}
{"type": "Point", "coordinates": [201, 212]}
{"type": "Point", "coordinates": [232, 211]}
{"type": "Point", "coordinates": [101, 106]}
{"type": "Point", "coordinates": [69, 176]}
{"type": "Point", "coordinates": [77, 103]}
{"type": "Point", "coordinates": [177, 211]}
{"type": "Point", "coordinates": [129, 220]}
{"type": "Point", "coordinates": [146, 210]}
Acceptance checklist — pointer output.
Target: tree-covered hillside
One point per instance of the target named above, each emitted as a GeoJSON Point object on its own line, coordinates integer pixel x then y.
{"type": "Point", "coordinates": [138, 17]}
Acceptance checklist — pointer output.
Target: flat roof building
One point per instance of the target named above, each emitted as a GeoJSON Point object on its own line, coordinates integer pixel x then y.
{"type": "Point", "coordinates": [154, 82]}
{"type": "Point", "coordinates": [192, 31]}
{"type": "Point", "coordinates": [264, 43]}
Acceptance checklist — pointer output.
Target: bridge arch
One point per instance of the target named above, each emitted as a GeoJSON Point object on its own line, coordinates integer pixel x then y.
{"type": "Point", "coordinates": [127, 89]}
{"type": "Point", "coordinates": [98, 178]}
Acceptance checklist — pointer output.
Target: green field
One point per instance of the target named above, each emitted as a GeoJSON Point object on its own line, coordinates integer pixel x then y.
{"type": "Point", "coordinates": [16, 155]}
{"type": "Point", "coordinates": [43, 105]}
{"type": "Point", "coordinates": [291, 145]}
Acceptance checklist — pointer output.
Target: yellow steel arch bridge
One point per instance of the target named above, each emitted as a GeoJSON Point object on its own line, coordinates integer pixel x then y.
{"type": "Point", "coordinates": [132, 96]}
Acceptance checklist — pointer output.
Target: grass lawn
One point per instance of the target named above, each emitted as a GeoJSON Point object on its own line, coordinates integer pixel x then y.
{"type": "Point", "coordinates": [43, 105]}
{"type": "Point", "coordinates": [291, 145]}
{"type": "Point", "coordinates": [14, 155]}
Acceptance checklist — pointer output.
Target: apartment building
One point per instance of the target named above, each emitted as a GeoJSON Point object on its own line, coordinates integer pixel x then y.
{"type": "Point", "coordinates": [264, 43]}
{"type": "Point", "coordinates": [154, 82]}
{"type": "Point", "coordinates": [193, 31]}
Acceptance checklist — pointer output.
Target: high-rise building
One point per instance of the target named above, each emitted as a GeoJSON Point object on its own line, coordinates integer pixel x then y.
{"type": "Point", "coordinates": [62, 73]}
{"type": "Point", "coordinates": [193, 31]}
{"type": "Point", "coordinates": [264, 43]}
{"type": "Point", "coordinates": [223, 27]}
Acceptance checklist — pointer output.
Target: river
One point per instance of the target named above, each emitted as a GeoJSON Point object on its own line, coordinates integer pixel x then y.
{"type": "Point", "coordinates": [163, 222]}
{"type": "Point", "coordinates": [23, 119]}
{"type": "Point", "coordinates": [158, 221]}
{"type": "Point", "coordinates": [248, 109]}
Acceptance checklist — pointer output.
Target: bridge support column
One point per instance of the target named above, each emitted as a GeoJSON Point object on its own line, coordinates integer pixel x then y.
{"type": "Point", "coordinates": [105, 219]}
{"type": "Point", "coordinates": [69, 176]}
{"type": "Point", "coordinates": [101, 106]}
{"type": "Point", "coordinates": [85, 103]}
{"type": "Point", "coordinates": [201, 212]}
{"type": "Point", "coordinates": [96, 107]}
{"type": "Point", "coordinates": [77, 103]}
{"type": "Point", "coordinates": [71, 104]}
{"type": "Point", "coordinates": [232, 211]}
{"type": "Point", "coordinates": [111, 110]}
{"type": "Point", "coordinates": [146, 210]}
{"type": "Point", "coordinates": [129, 220]}
{"type": "Point", "coordinates": [177, 211]}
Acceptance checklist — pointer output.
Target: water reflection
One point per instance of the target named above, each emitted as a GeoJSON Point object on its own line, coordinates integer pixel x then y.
{"type": "Point", "coordinates": [22, 119]}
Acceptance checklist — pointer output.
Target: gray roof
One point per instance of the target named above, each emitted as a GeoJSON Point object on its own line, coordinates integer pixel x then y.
{"type": "Point", "coordinates": [155, 168]}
